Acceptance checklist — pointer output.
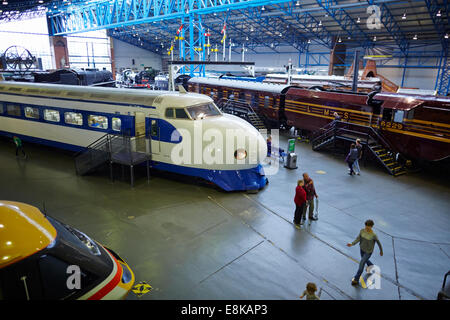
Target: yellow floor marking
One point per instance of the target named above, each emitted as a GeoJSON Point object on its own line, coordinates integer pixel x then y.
{"type": "Point", "coordinates": [141, 288]}
{"type": "Point", "coordinates": [321, 172]}
{"type": "Point", "coordinates": [363, 284]}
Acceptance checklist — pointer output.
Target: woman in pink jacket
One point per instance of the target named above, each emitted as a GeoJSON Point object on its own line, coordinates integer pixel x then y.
{"type": "Point", "coordinates": [300, 200]}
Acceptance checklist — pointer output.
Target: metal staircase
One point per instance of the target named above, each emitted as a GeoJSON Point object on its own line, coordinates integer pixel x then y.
{"type": "Point", "coordinates": [110, 148]}
{"type": "Point", "coordinates": [370, 139]}
{"type": "Point", "coordinates": [242, 109]}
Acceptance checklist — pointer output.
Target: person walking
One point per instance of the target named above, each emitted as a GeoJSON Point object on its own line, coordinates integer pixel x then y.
{"type": "Point", "coordinates": [366, 239]}
{"type": "Point", "coordinates": [358, 146]}
{"type": "Point", "coordinates": [310, 292]}
{"type": "Point", "coordinates": [19, 146]}
{"type": "Point", "coordinates": [310, 194]}
{"type": "Point", "coordinates": [351, 157]}
{"type": "Point", "coordinates": [269, 146]}
{"type": "Point", "coordinates": [299, 200]}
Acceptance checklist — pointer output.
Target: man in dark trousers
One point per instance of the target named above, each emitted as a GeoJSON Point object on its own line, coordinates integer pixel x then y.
{"type": "Point", "coordinates": [19, 146]}
{"type": "Point", "coordinates": [366, 239]}
{"type": "Point", "coordinates": [300, 200]}
{"type": "Point", "coordinates": [310, 194]}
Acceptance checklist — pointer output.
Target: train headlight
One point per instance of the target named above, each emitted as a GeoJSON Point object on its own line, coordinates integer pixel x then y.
{"type": "Point", "coordinates": [88, 242]}
{"type": "Point", "coordinates": [126, 275]}
{"type": "Point", "coordinates": [240, 154]}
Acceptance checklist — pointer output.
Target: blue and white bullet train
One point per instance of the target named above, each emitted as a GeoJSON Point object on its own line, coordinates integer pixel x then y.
{"type": "Point", "coordinates": [72, 117]}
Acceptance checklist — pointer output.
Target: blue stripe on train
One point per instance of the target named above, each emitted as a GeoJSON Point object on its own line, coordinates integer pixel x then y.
{"type": "Point", "coordinates": [228, 180]}
{"type": "Point", "coordinates": [51, 143]}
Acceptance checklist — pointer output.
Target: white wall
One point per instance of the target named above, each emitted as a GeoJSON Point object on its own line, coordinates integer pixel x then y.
{"type": "Point", "coordinates": [124, 53]}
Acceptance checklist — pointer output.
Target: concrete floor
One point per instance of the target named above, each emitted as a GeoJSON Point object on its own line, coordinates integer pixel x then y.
{"type": "Point", "coordinates": [190, 241]}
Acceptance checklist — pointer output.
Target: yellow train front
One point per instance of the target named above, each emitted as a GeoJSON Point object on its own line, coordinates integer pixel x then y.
{"type": "Point", "coordinates": [44, 259]}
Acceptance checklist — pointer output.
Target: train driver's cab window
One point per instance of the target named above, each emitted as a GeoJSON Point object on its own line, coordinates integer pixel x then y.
{"type": "Point", "coordinates": [170, 113]}
{"type": "Point", "coordinates": [116, 124]}
{"type": "Point", "coordinates": [387, 114]}
{"type": "Point", "coordinates": [32, 113]}
{"type": "Point", "coordinates": [13, 110]}
{"type": "Point", "coordinates": [99, 122]}
{"type": "Point", "coordinates": [203, 111]}
{"type": "Point", "coordinates": [176, 113]}
{"type": "Point", "coordinates": [51, 115]}
{"type": "Point", "coordinates": [398, 115]}
{"type": "Point", "coordinates": [410, 114]}
{"type": "Point", "coordinates": [73, 118]}
{"type": "Point", "coordinates": [180, 113]}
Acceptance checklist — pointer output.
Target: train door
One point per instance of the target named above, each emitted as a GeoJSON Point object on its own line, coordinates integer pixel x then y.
{"type": "Point", "coordinates": [139, 124]}
{"type": "Point", "coordinates": [154, 135]}
{"type": "Point", "coordinates": [139, 128]}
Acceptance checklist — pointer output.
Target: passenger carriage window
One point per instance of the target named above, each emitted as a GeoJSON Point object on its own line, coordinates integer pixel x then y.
{"type": "Point", "coordinates": [32, 113]}
{"type": "Point", "coordinates": [13, 110]}
{"type": "Point", "coordinates": [116, 124]}
{"type": "Point", "coordinates": [100, 122]}
{"type": "Point", "coordinates": [219, 93]}
{"type": "Point", "coordinates": [1, 108]}
{"type": "Point", "coordinates": [180, 113]}
{"type": "Point", "coordinates": [169, 113]}
{"type": "Point", "coordinates": [73, 118]}
{"type": "Point", "coordinates": [51, 115]}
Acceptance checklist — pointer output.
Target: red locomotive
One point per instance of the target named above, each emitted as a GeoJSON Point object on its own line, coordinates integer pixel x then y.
{"type": "Point", "coordinates": [417, 127]}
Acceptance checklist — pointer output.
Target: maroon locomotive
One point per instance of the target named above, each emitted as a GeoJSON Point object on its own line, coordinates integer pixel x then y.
{"type": "Point", "coordinates": [417, 127]}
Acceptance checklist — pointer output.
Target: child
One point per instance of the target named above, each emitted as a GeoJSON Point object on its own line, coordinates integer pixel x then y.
{"type": "Point", "coordinates": [310, 292]}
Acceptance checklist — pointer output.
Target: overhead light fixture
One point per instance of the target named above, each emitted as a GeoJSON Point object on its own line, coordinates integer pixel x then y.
{"type": "Point", "coordinates": [415, 37]}
{"type": "Point", "coordinates": [375, 38]}
{"type": "Point", "coordinates": [339, 40]}
{"type": "Point", "coordinates": [348, 38]}
{"type": "Point", "coordinates": [281, 34]}
{"type": "Point", "coordinates": [446, 36]}
{"type": "Point", "coordinates": [263, 8]}
{"type": "Point", "coordinates": [320, 23]}
{"type": "Point", "coordinates": [297, 3]}
{"type": "Point", "coordinates": [5, 3]}
{"type": "Point", "coordinates": [271, 45]}
{"type": "Point", "coordinates": [41, 1]}
{"type": "Point", "coordinates": [309, 40]}
{"type": "Point", "coordinates": [358, 20]}
{"type": "Point", "coordinates": [246, 38]}
{"type": "Point", "coordinates": [251, 29]}
{"type": "Point", "coordinates": [438, 14]}
{"type": "Point", "coordinates": [404, 16]}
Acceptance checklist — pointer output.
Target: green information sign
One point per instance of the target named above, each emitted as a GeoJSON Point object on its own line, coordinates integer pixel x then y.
{"type": "Point", "coordinates": [291, 145]}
